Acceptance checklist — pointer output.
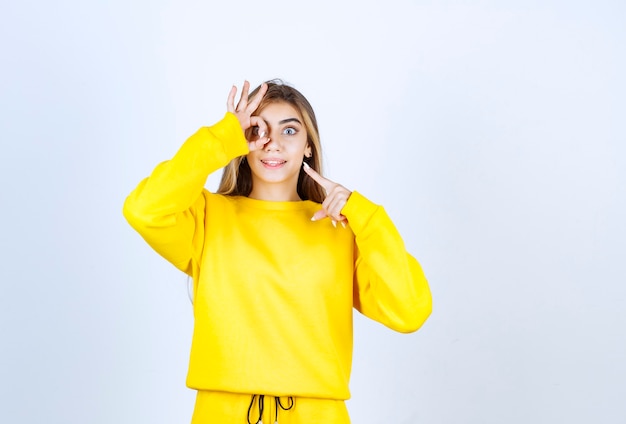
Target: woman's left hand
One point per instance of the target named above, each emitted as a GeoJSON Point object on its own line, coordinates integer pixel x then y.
{"type": "Point", "coordinates": [336, 198]}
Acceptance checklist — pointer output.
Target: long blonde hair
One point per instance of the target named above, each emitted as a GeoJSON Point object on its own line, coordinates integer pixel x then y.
{"type": "Point", "coordinates": [237, 177]}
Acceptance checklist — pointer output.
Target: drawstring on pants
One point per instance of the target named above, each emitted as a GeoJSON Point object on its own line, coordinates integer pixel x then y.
{"type": "Point", "coordinates": [278, 404]}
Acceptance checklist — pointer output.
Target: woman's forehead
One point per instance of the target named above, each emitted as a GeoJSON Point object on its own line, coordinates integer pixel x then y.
{"type": "Point", "coordinates": [275, 112]}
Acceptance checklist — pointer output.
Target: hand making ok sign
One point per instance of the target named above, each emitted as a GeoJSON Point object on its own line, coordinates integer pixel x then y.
{"type": "Point", "coordinates": [336, 198]}
{"type": "Point", "coordinates": [244, 110]}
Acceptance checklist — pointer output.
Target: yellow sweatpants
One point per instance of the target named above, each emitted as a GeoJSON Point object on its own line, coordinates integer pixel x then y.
{"type": "Point", "coordinates": [232, 408]}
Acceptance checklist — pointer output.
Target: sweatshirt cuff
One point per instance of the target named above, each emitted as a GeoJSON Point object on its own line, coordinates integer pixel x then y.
{"type": "Point", "coordinates": [229, 131]}
{"type": "Point", "coordinates": [358, 209]}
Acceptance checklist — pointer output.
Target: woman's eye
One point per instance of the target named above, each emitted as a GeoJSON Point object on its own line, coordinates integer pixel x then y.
{"type": "Point", "coordinates": [289, 131]}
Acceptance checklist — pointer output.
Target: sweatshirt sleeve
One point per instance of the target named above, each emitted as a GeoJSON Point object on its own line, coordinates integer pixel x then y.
{"type": "Point", "coordinates": [389, 284]}
{"type": "Point", "coordinates": [168, 208]}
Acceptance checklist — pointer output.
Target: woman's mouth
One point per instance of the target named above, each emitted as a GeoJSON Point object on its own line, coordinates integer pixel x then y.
{"type": "Point", "coordinates": [273, 163]}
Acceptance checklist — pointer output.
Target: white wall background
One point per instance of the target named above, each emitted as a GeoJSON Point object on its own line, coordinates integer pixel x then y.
{"type": "Point", "coordinates": [492, 131]}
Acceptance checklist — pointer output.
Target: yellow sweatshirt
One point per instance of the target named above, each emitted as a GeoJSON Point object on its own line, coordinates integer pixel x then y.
{"type": "Point", "coordinates": [273, 291]}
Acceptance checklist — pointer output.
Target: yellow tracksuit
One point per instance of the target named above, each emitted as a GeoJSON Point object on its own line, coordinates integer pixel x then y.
{"type": "Point", "coordinates": [273, 291]}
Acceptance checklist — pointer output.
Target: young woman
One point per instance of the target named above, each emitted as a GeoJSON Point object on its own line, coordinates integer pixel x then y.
{"type": "Point", "coordinates": [279, 256]}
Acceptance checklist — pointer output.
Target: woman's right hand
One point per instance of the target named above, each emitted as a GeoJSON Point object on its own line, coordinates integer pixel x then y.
{"type": "Point", "coordinates": [244, 111]}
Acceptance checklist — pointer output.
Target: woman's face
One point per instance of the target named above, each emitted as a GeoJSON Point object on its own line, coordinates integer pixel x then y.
{"type": "Point", "coordinates": [275, 167]}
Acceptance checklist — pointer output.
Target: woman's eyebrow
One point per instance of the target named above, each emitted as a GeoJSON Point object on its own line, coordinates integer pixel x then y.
{"type": "Point", "coordinates": [284, 121]}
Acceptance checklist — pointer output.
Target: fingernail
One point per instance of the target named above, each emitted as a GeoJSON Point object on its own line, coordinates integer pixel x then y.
{"type": "Point", "coordinates": [306, 165]}
{"type": "Point", "coordinates": [343, 224]}
{"type": "Point", "coordinates": [334, 223]}
{"type": "Point", "coordinates": [313, 218]}
{"type": "Point", "coordinates": [262, 134]}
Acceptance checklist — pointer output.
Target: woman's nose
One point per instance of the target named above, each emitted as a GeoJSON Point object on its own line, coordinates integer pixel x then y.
{"type": "Point", "coordinates": [273, 143]}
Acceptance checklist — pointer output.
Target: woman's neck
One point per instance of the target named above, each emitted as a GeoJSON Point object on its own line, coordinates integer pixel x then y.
{"type": "Point", "coordinates": [273, 193]}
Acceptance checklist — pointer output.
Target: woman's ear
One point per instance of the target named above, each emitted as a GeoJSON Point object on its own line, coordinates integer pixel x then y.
{"type": "Point", "coordinates": [307, 152]}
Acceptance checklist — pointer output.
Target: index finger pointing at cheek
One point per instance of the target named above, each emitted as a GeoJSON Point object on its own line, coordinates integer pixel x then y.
{"type": "Point", "coordinates": [325, 183]}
